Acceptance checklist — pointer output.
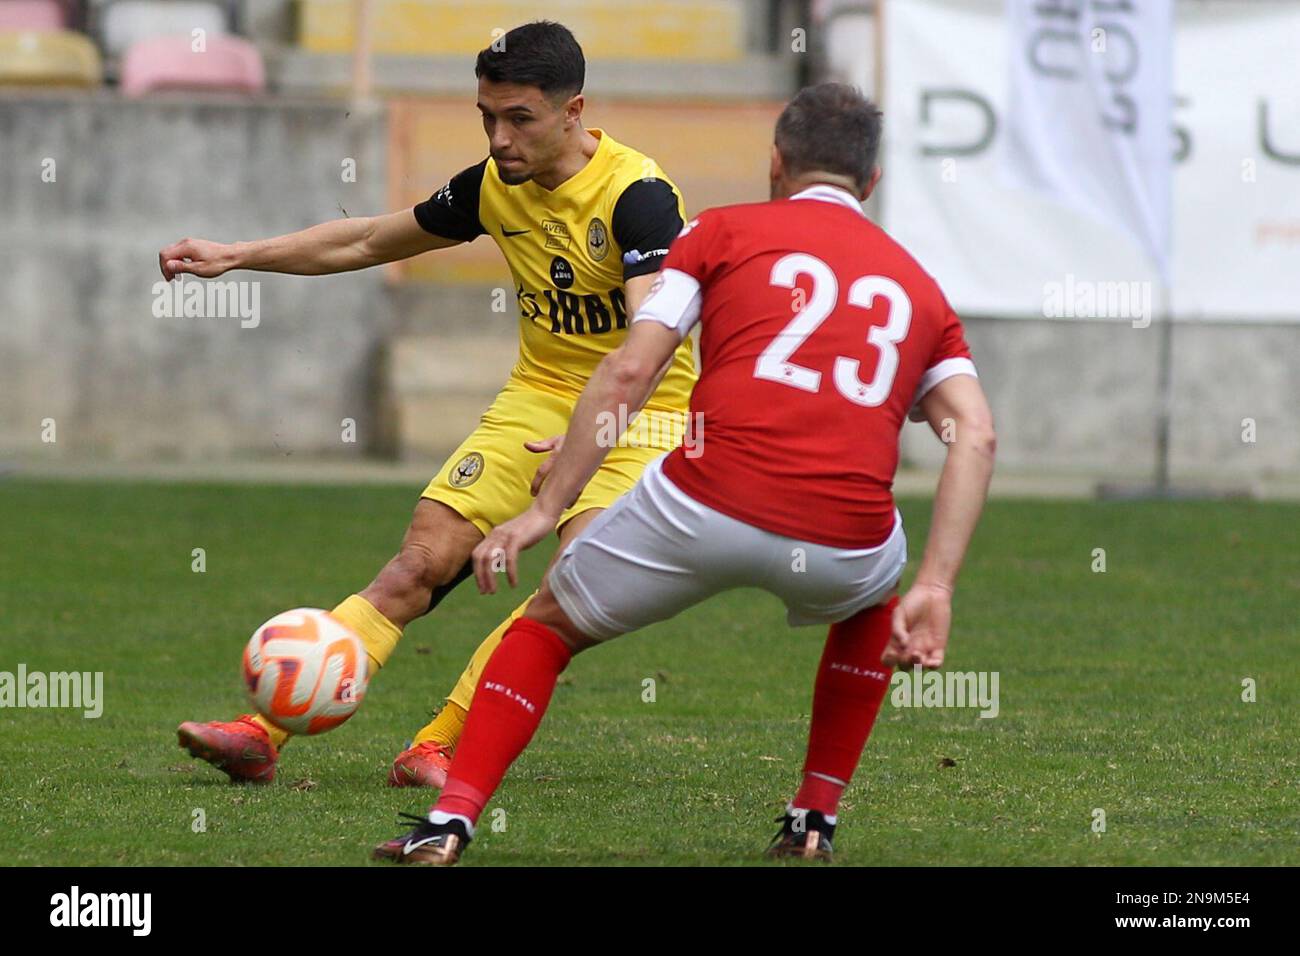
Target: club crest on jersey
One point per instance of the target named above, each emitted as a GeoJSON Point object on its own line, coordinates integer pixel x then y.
{"type": "Point", "coordinates": [466, 471]}
{"type": "Point", "coordinates": [561, 272]}
{"type": "Point", "coordinates": [597, 240]}
{"type": "Point", "coordinates": [557, 234]}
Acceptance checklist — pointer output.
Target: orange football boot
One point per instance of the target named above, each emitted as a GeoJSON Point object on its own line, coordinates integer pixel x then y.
{"type": "Point", "coordinates": [423, 765]}
{"type": "Point", "coordinates": [239, 747]}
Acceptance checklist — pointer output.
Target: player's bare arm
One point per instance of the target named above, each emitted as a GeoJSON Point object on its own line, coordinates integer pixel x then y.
{"type": "Point", "coordinates": [959, 414]}
{"type": "Point", "coordinates": [624, 379]}
{"type": "Point", "coordinates": [343, 245]}
{"type": "Point", "coordinates": [636, 290]}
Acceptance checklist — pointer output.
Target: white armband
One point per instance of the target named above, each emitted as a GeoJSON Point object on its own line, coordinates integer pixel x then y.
{"type": "Point", "coordinates": [934, 375]}
{"type": "Point", "coordinates": [674, 301]}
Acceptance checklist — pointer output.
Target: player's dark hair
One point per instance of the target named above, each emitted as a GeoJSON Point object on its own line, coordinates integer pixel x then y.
{"type": "Point", "coordinates": [543, 54]}
{"type": "Point", "coordinates": [829, 128]}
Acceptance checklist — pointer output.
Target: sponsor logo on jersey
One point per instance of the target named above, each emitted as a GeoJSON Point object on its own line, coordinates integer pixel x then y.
{"type": "Point", "coordinates": [467, 471]}
{"type": "Point", "coordinates": [597, 240]}
{"type": "Point", "coordinates": [557, 234]}
{"type": "Point", "coordinates": [561, 272]}
{"type": "Point", "coordinates": [528, 306]}
{"type": "Point", "coordinates": [572, 314]}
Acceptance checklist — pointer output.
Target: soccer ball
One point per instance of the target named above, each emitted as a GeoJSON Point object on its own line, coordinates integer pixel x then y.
{"type": "Point", "coordinates": [305, 671]}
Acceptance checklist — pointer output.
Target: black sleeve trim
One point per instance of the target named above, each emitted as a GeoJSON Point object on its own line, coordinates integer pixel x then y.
{"type": "Point", "coordinates": [645, 223]}
{"type": "Point", "coordinates": [452, 212]}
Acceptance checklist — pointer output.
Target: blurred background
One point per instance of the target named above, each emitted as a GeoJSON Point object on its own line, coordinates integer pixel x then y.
{"type": "Point", "coordinates": [126, 125]}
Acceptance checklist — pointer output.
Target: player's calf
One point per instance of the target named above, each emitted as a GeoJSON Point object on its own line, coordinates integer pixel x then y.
{"type": "Point", "coordinates": [434, 552]}
{"type": "Point", "coordinates": [401, 591]}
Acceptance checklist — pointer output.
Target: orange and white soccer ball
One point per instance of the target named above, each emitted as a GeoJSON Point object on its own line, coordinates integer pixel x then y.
{"type": "Point", "coordinates": [306, 671]}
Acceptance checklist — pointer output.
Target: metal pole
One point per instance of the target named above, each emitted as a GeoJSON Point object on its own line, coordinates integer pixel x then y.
{"type": "Point", "coordinates": [362, 79]}
{"type": "Point", "coordinates": [878, 68]}
{"type": "Point", "coordinates": [1164, 391]}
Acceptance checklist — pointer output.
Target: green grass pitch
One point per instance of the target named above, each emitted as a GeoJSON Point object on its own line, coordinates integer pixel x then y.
{"type": "Point", "coordinates": [1119, 691]}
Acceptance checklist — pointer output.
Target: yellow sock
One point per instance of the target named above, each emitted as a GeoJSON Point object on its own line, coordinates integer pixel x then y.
{"type": "Point", "coordinates": [377, 633]}
{"type": "Point", "coordinates": [446, 727]}
{"type": "Point", "coordinates": [278, 736]}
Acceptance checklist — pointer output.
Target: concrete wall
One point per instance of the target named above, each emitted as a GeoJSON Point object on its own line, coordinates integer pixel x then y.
{"type": "Point", "coordinates": [79, 339]}
{"type": "Point", "coordinates": [1081, 396]}
{"type": "Point", "coordinates": [416, 365]}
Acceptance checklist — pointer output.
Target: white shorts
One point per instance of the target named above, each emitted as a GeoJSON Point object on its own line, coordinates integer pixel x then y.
{"type": "Point", "coordinates": [656, 551]}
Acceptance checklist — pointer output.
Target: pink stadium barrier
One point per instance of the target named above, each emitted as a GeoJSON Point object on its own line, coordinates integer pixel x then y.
{"type": "Point", "coordinates": [37, 15]}
{"type": "Point", "coordinates": [169, 63]}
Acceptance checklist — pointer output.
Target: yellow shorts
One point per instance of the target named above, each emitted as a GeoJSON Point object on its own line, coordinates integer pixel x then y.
{"type": "Point", "coordinates": [486, 479]}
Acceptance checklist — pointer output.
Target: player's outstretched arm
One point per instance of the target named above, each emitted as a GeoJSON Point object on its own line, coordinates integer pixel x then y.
{"type": "Point", "coordinates": [342, 245]}
{"type": "Point", "coordinates": [959, 414]}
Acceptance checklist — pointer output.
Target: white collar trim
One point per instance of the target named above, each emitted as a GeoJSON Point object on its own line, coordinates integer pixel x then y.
{"type": "Point", "coordinates": [828, 193]}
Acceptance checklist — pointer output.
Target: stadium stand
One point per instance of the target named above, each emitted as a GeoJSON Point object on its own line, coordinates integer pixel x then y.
{"type": "Point", "coordinates": [227, 63]}
{"type": "Point", "coordinates": [670, 49]}
{"type": "Point", "coordinates": [701, 30]}
{"type": "Point", "coordinates": [37, 15]}
{"type": "Point", "coordinates": [48, 58]}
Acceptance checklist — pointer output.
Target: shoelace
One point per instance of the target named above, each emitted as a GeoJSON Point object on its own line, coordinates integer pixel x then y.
{"type": "Point", "coordinates": [784, 819]}
{"type": "Point", "coordinates": [418, 819]}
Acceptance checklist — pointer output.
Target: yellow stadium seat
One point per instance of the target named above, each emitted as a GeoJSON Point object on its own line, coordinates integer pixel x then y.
{"type": "Point", "coordinates": [696, 30]}
{"type": "Point", "coordinates": [56, 58]}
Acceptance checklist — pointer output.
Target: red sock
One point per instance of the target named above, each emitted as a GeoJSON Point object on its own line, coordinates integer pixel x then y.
{"type": "Point", "coordinates": [851, 683]}
{"type": "Point", "coordinates": [511, 697]}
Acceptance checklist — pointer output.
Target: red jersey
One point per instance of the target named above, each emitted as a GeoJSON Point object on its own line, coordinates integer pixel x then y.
{"type": "Point", "coordinates": [819, 333]}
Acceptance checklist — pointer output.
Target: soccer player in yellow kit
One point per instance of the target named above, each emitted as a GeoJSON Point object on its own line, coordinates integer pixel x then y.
{"type": "Point", "coordinates": [584, 223]}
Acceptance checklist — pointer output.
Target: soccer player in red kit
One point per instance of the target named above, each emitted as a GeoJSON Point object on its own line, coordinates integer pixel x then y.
{"type": "Point", "coordinates": [818, 336]}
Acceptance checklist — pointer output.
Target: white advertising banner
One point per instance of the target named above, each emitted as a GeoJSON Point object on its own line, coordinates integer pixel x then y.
{"type": "Point", "coordinates": [1089, 111]}
{"type": "Point", "coordinates": [1000, 245]}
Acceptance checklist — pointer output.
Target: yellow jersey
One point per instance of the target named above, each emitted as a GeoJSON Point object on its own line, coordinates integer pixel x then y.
{"type": "Point", "coordinates": [570, 250]}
